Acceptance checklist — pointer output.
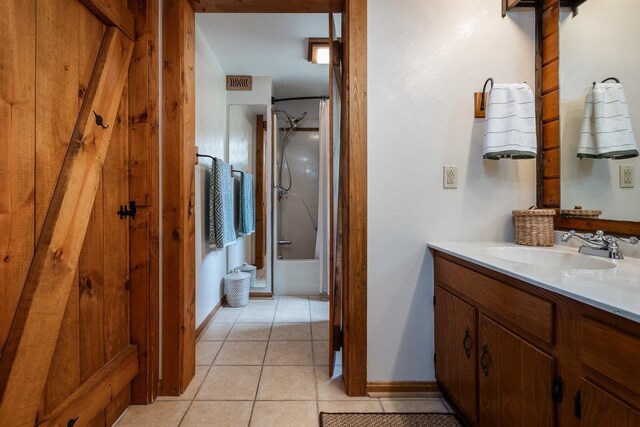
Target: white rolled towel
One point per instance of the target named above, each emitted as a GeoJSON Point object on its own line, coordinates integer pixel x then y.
{"type": "Point", "coordinates": [606, 127]}
{"type": "Point", "coordinates": [510, 123]}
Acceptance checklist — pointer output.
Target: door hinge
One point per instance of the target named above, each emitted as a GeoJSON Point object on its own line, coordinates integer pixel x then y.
{"type": "Point", "coordinates": [434, 358]}
{"type": "Point", "coordinates": [556, 389]}
{"type": "Point", "coordinates": [577, 405]}
{"type": "Point", "coordinates": [434, 300]}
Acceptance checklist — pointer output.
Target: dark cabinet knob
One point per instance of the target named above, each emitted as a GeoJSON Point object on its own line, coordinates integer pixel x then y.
{"type": "Point", "coordinates": [485, 359]}
{"type": "Point", "coordinates": [466, 343]}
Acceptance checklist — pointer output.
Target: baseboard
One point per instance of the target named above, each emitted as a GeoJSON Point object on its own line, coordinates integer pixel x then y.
{"type": "Point", "coordinates": [203, 326]}
{"type": "Point", "coordinates": [260, 295]}
{"type": "Point", "coordinates": [405, 387]}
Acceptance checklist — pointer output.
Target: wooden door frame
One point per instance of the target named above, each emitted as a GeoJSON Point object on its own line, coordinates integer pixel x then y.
{"type": "Point", "coordinates": [260, 240]}
{"type": "Point", "coordinates": [176, 335]}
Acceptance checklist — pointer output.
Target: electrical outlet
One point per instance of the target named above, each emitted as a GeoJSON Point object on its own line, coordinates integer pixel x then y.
{"type": "Point", "coordinates": [626, 176]}
{"type": "Point", "coordinates": [450, 177]}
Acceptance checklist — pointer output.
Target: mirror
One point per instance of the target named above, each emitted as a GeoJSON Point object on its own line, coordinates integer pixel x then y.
{"type": "Point", "coordinates": [599, 42]}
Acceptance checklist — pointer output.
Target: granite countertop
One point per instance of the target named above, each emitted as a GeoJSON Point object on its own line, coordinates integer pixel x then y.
{"type": "Point", "coordinates": [616, 290]}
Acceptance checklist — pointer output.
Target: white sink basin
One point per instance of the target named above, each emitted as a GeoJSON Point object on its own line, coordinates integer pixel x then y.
{"type": "Point", "coordinates": [548, 257]}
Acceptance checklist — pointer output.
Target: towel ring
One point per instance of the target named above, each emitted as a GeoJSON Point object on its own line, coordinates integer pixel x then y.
{"type": "Point", "coordinates": [484, 88]}
{"type": "Point", "coordinates": [615, 79]}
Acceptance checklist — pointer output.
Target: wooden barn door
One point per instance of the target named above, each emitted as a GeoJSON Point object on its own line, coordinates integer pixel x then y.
{"type": "Point", "coordinates": [48, 52]}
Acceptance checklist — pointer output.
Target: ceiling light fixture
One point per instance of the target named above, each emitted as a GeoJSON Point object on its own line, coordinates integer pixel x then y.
{"type": "Point", "coordinates": [318, 51]}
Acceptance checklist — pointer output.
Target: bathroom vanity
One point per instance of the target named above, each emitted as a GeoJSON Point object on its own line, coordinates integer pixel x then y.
{"type": "Point", "coordinates": [537, 336]}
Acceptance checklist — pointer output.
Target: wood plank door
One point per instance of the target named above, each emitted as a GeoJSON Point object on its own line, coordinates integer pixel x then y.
{"type": "Point", "coordinates": [52, 48]}
{"type": "Point", "coordinates": [336, 100]}
{"type": "Point", "coordinates": [260, 240]}
{"type": "Point", "coordinates": [515, 380]}
{"type": "Point", "coordinates": [456, 347]}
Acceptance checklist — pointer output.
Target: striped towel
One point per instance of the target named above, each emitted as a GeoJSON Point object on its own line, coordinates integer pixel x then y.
{"type": "Point", "coordinates": [606, 126]}
{"type": "Point", "coordinates": [510, 123]}
{"type": "Point", "coordinates": [247, 204]}
{"type": "Point", "coordinates": [221, 229]}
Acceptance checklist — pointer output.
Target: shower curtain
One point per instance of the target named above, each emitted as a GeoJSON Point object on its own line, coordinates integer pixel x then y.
{"type": "Point", "coordinates": [322, 238]}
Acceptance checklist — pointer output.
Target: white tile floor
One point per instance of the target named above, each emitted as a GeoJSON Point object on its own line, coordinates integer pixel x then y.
{"type": "Point", "coordinates": [265, 365]}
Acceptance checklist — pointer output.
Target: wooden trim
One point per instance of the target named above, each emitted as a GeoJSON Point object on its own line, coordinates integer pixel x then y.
{"type": "Point", "coordinates": [549, 165]}
{"type": "Point", "coordinates": [332, 237]}
{"type": "Point", "coordinates": [178, 266]}
{"type": "Point", "coordinates": [260, 295]}
{"type": "Point", "coordinates": [403, 387]}
{"type": "Point", "coordinates": [34, 332]}
{"type": "Point", "coordinates": [114, 13]}
{"type": "Point", "coordinates": [355, 206]}
{"type": "Point", "coordinates": [90, 399]}
{"type": "Point", "coordinates": [270, 6]}
{"type": "Point", "coordinates": [260, 240]}
{"type": "Point", "coordinates": [205, 323]}
{"type": "Point", "coordinates": [144, 247]}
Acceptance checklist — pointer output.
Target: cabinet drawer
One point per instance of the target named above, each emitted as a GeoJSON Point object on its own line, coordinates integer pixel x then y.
{"type": "Point", "coordinates": [611, 352]}
{"type": "Point", "coordinates": [527, 311]}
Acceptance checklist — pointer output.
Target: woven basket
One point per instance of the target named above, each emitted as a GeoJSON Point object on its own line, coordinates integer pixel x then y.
{"type": "Point", "coordinates": [581, 213]}
{"type": "Point", "coordinates": [534, 227]}
{"type": "Point", "coordinates": [251, 269]}
{"type": "Point", "coordinates": [236, 286]}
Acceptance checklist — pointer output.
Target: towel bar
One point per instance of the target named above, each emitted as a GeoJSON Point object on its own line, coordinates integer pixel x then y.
{"type": "Point", "coordinates": [480, 100]}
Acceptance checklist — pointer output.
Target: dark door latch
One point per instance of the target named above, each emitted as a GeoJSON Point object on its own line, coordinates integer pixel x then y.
{"type": "Point", "coordinates": [99, 121]}
{"type": "Point", "coordinates": [131, 211]}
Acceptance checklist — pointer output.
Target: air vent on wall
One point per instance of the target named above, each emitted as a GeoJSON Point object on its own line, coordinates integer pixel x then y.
{"type": "Point", "coordinates": [239, 82]}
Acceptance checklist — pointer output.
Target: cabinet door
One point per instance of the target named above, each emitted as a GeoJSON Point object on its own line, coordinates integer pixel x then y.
{"type": "Point", "coordinates": [600, 409]}
{"type": "Point", "coordinates": [455, 326]}
{"type": "Point", "coordinates": [514, 380]}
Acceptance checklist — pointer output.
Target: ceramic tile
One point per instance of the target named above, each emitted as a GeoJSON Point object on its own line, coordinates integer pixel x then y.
{"type": "Point", "coordinates": [332, 388]}
{"type": "Point", "coordinates": [320, 315]}
{"type": "Point", "coordinates": [291, 332]}
{"type": "Point", "coordinates": [256, 316]}
{"type": "Point", "coordinates": [217, 331]}
{"type": "Point", "coordinates": [158, 414]}
{"type": "Point", "coordinates": [293, 303]}
{"type": "Point", "coordinates": [250, 332]}
{"type": "Point", "coordinates": [285, 414]}
{"type": "Point", "coordinates": [194, 385]}
{"type": "Point", "coordinates": [262, 304]}
{"type": "Point", "coordinates": [230, 383]}
{"type": "Point", "coordinates": [321, 354]}
{"type": "Point", "coordinates": [287, 383]}
{"type": "Point", "coordinates": [292, 316]}
{"type": "Point", "coordinates": [241, 353]}
{"type": "Point", "coordinates": [206, 351]}
{"type": "Point", "coordinates": [410, 405]}
{"type": "Point", "coordinates": [290, 353]}
{"type": "Point", "coordinates": [320, 331]}
{"type": "Point", "coordinates": [228, 414]}
{"type": "Point", "coordinates": [371, 405]}
{"type": "Point", "coordinates": [226, 315]}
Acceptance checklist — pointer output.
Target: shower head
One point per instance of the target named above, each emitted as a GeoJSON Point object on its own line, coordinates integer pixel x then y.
{"type": "Point", "coordinates": [296, 122]}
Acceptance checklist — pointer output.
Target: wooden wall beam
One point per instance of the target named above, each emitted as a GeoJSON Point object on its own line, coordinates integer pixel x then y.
{"type": "Point", "coordinates": [261, 193]}
{"type": "Point", "coordinates": [269, 6]}
{"type": "Point", "coordinates": [144, 244]}
{"type": "Point", "coordinates": [93, 396]}
{"type": "Point", "coordinates": [34, 332]}
{"type": "Point", "coordinates": [113, 13]}
{"type": "Point", "coordinates": [355, 206]}
{"type": "Point", "coordinates": [178, 266]}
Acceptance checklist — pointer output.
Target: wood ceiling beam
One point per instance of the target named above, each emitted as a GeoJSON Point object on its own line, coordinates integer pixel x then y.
{"type": "Point", "coordinates": [269, 6]}
{"type": "Point", "coordinates": [113, 13]}
{"type": "Point", "coordinates": [30, 346]}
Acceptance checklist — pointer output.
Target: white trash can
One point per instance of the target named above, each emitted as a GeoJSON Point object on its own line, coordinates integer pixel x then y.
{"type": "Point", "coordinates": [251, 269]}
{"type": "Point", "coordinates": [236, 287]}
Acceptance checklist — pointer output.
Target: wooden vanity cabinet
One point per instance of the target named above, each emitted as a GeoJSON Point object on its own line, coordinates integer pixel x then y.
{"type": "Point", "coordinates": [455, 330]}
{"type": "Point", "coordinates": [512, 354]}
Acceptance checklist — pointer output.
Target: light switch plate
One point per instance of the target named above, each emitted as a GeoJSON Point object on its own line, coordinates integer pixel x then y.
{"type": "Point", "coordinates": [626, 176]}
{"type": "Point", "coordinates": [450, 177]}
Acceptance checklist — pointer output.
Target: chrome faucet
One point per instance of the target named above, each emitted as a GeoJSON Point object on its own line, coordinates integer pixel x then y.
{"type": "Point", "coordinates": [599, 244]}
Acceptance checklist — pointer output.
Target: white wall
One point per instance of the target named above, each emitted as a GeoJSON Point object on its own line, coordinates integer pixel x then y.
{"type": "Point", "coordinates": [426, 59]}
{"type": "Point", "coordinates": [601, 41]}
{"type": "Point", "coordinates": [211, 126]}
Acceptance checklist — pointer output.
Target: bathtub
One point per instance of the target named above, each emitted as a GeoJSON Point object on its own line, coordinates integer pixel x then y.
{"type": "Point", "coordinates": [296, 277]}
